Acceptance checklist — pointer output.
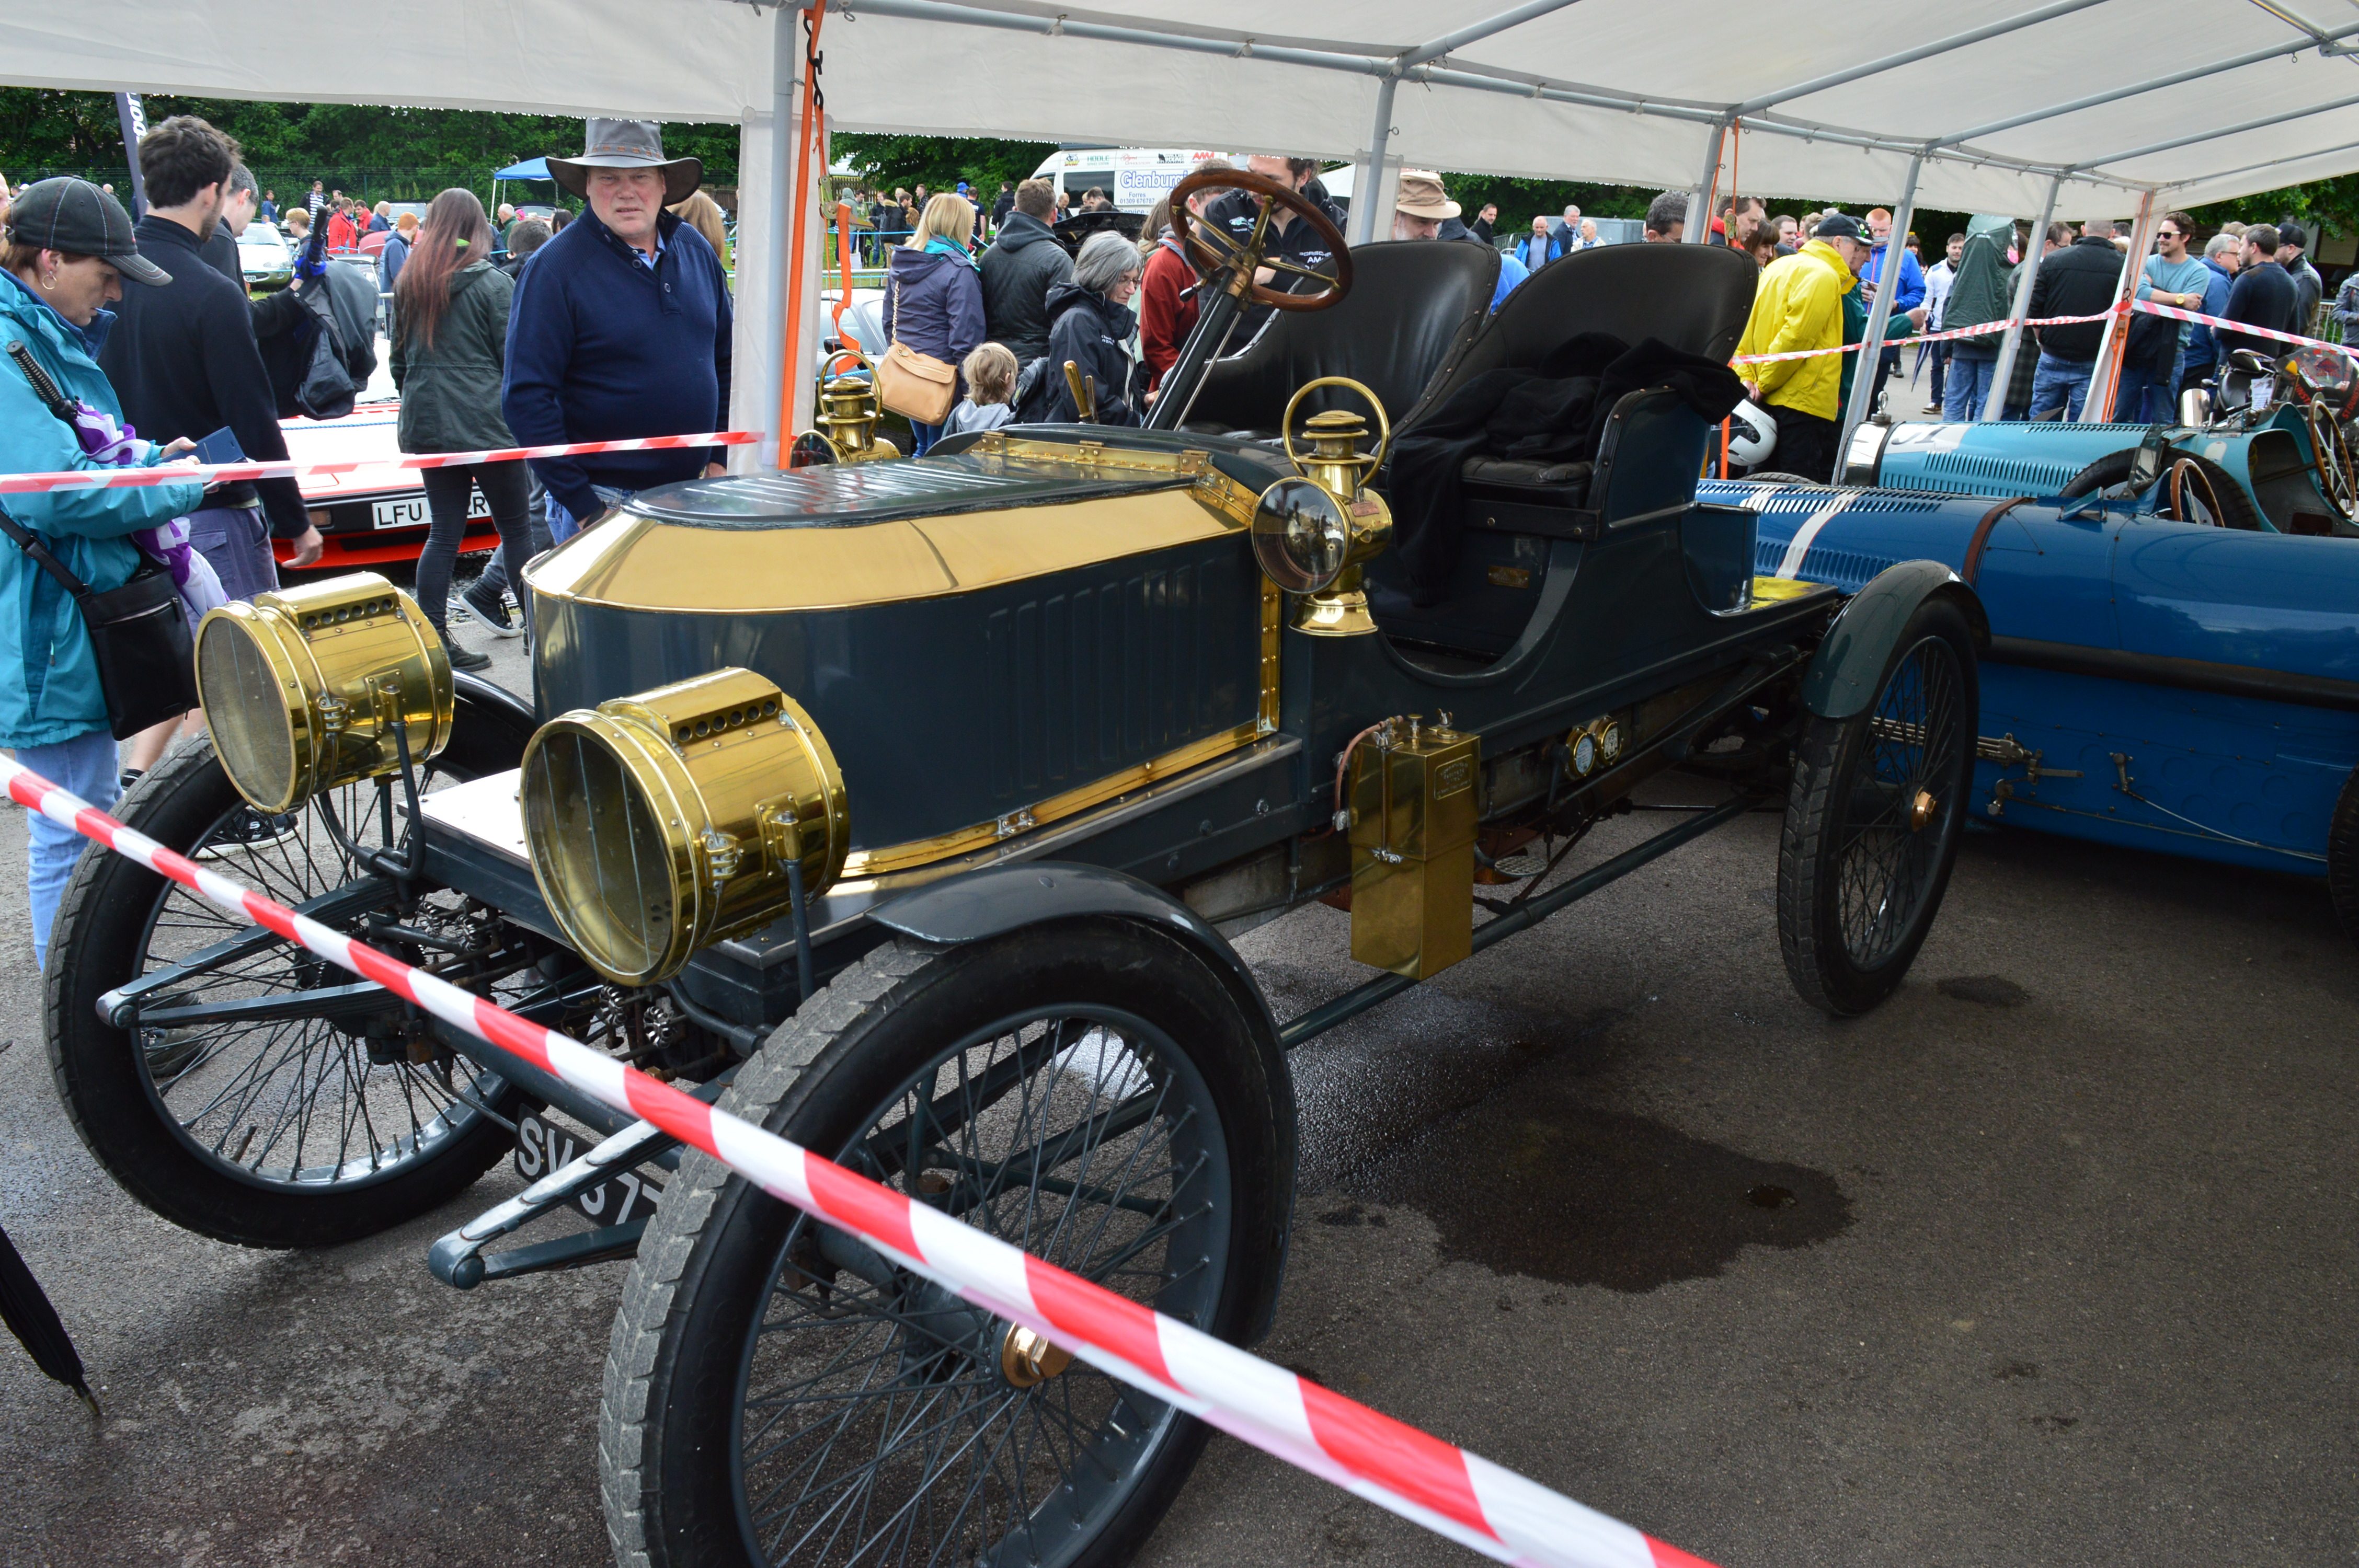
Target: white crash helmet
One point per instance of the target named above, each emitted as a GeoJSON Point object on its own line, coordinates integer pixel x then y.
{"type": "Point", "coordinates": [1752, 435]}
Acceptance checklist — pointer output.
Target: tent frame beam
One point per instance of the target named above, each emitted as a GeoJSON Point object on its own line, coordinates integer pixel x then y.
{"type": "Point", "coordinates": [1911, 56]}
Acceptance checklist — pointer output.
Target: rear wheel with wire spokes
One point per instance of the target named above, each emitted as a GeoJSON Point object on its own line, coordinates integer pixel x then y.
{"type": "Point", "coordinates": [777, 1394]}
{"type": "Point", "coordinates": [1876, 806]}
{"type": "Point", "coordinates": [269, 1097]}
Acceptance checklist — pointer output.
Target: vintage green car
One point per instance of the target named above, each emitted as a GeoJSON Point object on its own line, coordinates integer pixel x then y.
{"type": "Point", "coordinates": [906, 808]}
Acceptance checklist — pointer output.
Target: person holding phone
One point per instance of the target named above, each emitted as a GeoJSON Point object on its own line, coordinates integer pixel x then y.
{"type": "Point", "coordinates": [66, 252]}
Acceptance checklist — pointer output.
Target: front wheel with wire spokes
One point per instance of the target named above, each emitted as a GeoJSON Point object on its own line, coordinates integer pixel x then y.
{"type": "Point", "coordinates": [777, 1394]}
{"type": "Point", "coordinates": [260, 1094]}
{"type": "Point", "coordinates": [1876, 806]}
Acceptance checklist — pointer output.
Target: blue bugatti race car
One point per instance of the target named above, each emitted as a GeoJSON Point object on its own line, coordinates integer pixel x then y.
{"type": "Point", "coordinates": [2265, 446]}
{"type": "Point", "coordinates": [2186, 686]}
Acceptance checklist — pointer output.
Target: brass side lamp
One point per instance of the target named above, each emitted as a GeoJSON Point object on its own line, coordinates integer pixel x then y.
{"type": "Point", "coordinates": [849, 410]}
{"type": "Point", "coordinates": [1311, 534]}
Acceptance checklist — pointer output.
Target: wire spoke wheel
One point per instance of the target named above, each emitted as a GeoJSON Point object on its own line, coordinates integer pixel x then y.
{"type": "Point", "coordinates": [869, 1416]}
{"type": "Point", "coordinates": [882, 1413]}
{"type": "Point", "coordinates": [262, 1095]}
{"type": "Point", "coordinates": [1871, 825]}
{"type": "Point", "coordinates": [336, 1095]}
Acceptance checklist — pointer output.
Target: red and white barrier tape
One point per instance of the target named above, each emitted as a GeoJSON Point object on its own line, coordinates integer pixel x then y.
{"type": "Point", "coordinates": [238, 473]}
{"type": "Point", "coordinates": [1423, 1479]}
{"type": "Point", "coordinates": [2146, 307]}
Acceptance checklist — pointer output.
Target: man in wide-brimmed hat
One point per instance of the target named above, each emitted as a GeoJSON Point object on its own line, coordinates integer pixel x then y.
{"type": "Point", "coordinates": [1423, 211]}
{"type": "Point", "coordinates": [620, 328]}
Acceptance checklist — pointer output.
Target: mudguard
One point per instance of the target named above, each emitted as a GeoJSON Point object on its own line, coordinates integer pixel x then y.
{"type": "Point", "coordinates": [1008, 898]}
{"type": "Point", "coordinates": [1849, 666]}
{"type": "Point", "coordinates": [495, 703]}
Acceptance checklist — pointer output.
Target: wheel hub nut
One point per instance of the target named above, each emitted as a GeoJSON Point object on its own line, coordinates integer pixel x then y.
{"type": "Point", "coordinates": [1027, 1359]}
{"type": "Point", "coordinates": [1921, 810]}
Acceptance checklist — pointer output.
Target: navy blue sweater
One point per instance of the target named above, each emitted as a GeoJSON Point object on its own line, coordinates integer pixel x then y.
{"type": "Point", "coordinates": [601, 349]}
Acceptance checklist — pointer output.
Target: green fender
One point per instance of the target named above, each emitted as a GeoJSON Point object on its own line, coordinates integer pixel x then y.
{"type": "Point", "coordinates": [1848, 668]}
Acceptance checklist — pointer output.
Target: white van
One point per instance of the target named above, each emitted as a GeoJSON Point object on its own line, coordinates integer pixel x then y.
{"type": "Point", "coordinates": [1138, 178]}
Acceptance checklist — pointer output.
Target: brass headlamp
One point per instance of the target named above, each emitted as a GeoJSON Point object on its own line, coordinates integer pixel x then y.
{"type": "Point", "coordinates": [304, 689]}
{"type": "Point", "coordinates": [849, 410]}
{"type": "Point", "coordinates": [1310, 534]}
{"type": "Point", "coordinates": [661, 823]}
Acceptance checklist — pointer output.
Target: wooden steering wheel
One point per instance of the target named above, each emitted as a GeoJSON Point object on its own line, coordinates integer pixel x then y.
{"type": "Point", "coordinates": [1217, 257]}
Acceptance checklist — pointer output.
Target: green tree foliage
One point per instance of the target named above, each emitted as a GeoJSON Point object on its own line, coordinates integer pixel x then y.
{"type": "Point", "coordinates": [939, 163]}
{"type": "Point", "coordinates": [380, 153]}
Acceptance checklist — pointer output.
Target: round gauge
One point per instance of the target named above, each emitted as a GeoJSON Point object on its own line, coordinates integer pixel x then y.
{"type": "Point", "coordinates": [1585, 755]}
{"type": "Point", "coordinates": [1300, 535]}
{"type": "Point", "coordinates": [1609, 742]}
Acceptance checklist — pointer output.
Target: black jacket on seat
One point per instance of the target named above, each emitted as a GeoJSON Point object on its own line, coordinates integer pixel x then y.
{"type": "Point", "coordinates": [1554, 414]}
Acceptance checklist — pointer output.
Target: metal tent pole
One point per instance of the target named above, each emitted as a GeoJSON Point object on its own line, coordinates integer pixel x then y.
{"type": "Point", "coordinates": [2013, 343]}
{"type": "Point", "coordinates": [1879, 316]}
{"type": "Point", "coordinates": [785, 60]}
{"type": "Point", "coordinates": [1698, 229]}
{"type": "Point", "coordinates": [2097, 407]}
{"type": "Point", "coordinates": [1368, 190]}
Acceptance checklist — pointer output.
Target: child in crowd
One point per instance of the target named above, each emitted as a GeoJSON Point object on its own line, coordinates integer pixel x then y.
{"type": "Point", "coordinates": [989, 401]}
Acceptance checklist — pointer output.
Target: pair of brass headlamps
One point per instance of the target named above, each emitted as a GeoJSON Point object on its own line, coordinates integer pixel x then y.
{"type": "Point", "coordinates": [658, 823]}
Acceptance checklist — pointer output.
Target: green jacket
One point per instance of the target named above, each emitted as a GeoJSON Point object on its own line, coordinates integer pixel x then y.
{"type": "Point", "coordinates": [1854, 313]}
{"type": "Point", "coordinates": [1979, 293]}
{"type": "Point", "coordinates": [450, 388]}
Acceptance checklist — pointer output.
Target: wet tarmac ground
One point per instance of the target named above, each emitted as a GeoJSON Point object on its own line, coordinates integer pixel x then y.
{"type": "Point", "coordinates": [2049, 1260]}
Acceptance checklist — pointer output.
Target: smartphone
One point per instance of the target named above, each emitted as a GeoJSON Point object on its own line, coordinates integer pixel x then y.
{"type": "Point", "coordinates": [220, 447]}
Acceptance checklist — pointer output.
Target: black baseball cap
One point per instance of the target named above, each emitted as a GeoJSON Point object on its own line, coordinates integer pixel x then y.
{"type": "Point", "coordinates": [1839, 226]}
{"type": "Point", "coordinates": [77, 217]}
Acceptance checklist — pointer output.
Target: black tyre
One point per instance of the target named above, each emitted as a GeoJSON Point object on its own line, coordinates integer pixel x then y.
{"type": "Point", "coordinates": [1876, 806]}
{"type": "Point", "coordinates": [2343, 857]}
{"type": "Point", "coordinates": [278, 1132]}
{"type": "Point", "coordinates": [775, 1394]}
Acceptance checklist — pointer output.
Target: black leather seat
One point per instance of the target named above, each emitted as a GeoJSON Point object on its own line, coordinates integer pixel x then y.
{"type": "Point", "coordinates": [1694, 297]}
{"type": "Point", "coordinates": [1413, 305]}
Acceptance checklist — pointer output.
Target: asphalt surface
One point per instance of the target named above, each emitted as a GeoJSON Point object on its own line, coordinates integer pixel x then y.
{"type": "Point", "coordinates": [2051, 1260]}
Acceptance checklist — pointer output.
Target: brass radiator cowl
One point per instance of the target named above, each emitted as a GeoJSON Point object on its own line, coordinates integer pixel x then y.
{"type": "Point", "coordinates": [1414, 810]}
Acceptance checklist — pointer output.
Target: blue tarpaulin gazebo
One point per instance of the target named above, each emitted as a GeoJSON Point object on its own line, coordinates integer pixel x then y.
{"type": "Point", "coordinates": [532, 171]}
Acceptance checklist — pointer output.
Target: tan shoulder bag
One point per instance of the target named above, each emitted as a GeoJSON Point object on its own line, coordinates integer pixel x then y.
{"type": "Point", "coordinates": [919, 387]}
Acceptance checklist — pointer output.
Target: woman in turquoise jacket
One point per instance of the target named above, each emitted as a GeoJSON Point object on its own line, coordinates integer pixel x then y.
{"type": "Point", "coordinates": [64, 257]}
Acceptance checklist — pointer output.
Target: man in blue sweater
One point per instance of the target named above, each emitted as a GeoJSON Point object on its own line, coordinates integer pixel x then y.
{"type": "Point", "coordinates": [620, 328]}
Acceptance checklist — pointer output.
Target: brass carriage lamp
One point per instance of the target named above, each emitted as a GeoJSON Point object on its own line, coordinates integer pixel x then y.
{"type": "Point", "coordinates": [1312, 533]}
{"type": "Point", "coordinates": [849, 412]}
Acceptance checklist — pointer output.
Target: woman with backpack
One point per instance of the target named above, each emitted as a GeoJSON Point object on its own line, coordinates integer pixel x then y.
{"type": "Point", "coordinates": [64, 256]}
{"type": "Point", "coordinates": [449, 343]}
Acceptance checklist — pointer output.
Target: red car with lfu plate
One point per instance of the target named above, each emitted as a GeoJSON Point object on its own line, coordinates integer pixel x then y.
{"type": "Point", "coordinates": [374, 515]}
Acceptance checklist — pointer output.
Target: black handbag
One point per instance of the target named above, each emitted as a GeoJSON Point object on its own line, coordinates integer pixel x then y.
{"type": "Point", "coordinates": [146, 659]}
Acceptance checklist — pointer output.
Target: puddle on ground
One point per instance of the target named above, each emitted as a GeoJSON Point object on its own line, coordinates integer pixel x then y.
{"type": "Point", "coordinates": [1533, 1181]}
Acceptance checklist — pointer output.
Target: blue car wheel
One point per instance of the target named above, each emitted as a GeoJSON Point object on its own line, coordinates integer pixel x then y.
{"type": "Point", "coordinates": [1872, 818]}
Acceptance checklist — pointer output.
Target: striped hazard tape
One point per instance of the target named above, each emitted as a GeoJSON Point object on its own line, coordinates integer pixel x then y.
{"type": "Point", "coordinates": [238, 473]}
{"type": "Point", "coordinates": [1449, 1490]}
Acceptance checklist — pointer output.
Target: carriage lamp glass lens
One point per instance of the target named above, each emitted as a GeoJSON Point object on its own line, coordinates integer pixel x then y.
{"type": "Point", "coordinates": [252, 732]}
{"type": "Point", "coordinates": [307, 688]}
{"type": "Point", "coordinates": [662, 823]}
{"type": "Point", "coordinates": [616, 885]}
{"type": "Point", "coordinates": [1300, 535]}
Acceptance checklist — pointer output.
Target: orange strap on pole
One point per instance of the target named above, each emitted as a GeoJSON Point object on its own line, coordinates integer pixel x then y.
{"type": "Point", "coordinates": [1723, 448]}
{"type": "Point", "coordinates": [843, 259]}
{"type": "Point", "coordinates": [793, 366]}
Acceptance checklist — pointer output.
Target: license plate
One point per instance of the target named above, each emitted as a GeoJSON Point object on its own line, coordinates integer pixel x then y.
{"type": "Point", "coordinates": [542, 1147]}
{"type": "Point", "coordinates": [409, 510]}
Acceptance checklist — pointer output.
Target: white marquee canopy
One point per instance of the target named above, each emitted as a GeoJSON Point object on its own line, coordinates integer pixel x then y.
{"type": "Point", "coordinates": [1993, 105]}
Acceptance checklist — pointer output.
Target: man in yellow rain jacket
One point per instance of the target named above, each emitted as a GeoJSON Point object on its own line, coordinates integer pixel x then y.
{"type": "Point", "coordinates": [1799, 305]}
